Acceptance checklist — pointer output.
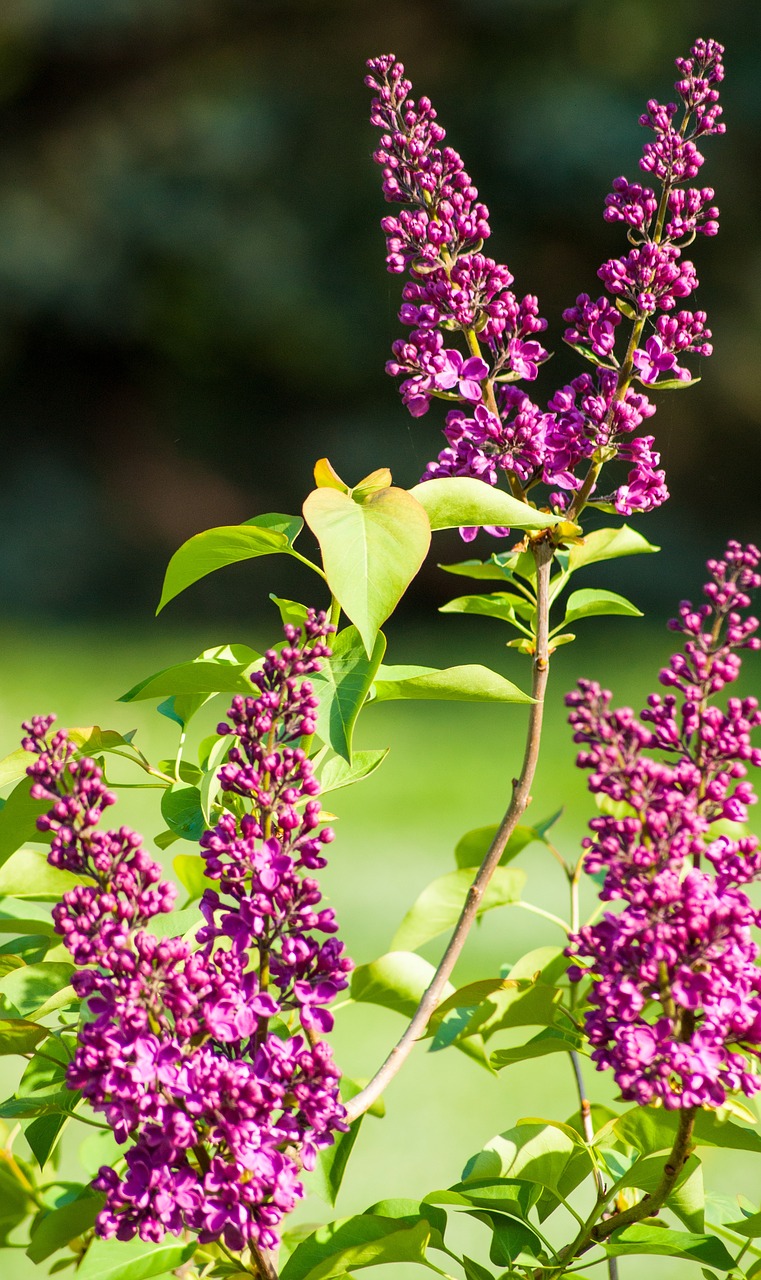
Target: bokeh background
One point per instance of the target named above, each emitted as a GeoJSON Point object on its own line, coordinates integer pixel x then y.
{"type": "Point", "coordinates": [193, 301]}
{"type": "Point", "coordinates": [194, 308]}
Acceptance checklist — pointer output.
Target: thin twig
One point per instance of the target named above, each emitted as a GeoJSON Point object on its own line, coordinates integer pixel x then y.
{"type": "Point", "coordinates": [543, 551]}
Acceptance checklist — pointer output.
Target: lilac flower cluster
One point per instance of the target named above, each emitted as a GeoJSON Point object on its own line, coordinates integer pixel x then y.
{"type": "Point", "coordinates": [675, 1000]}
{"type": "Point", "coordinates": [453, 288]}
{"type": "Point", "coordinates": [221, 1111]}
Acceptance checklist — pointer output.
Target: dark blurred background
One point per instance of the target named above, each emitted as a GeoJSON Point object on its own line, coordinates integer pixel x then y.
{"type": "Point", "coordinates": [193, 301]}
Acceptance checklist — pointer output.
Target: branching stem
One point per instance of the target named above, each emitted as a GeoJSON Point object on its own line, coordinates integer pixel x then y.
{"type": "Point", "coordinates": [543, 551]}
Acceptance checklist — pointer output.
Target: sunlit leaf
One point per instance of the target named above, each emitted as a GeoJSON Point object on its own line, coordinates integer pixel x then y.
{"type": "Point", "coordinates": [439, 905]}
{"type": "Point", "coordinates": [472, 683]}
{"type": "Point", "coordinates": [371, 551]}
{"type": "Point", "coordinates": [461, 500]}
{"type": "Point", "coordinates": [608, 544]}
{"type": "Point", "coordinates": [216, 548]}
{"type": "Point", "coordinates": [342, 685]}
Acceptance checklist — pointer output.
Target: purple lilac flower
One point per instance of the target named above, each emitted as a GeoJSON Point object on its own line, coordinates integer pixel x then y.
{"type": "Point", "coordinates": [220, 1112]}
{"type": "Point", "coordinates": [453, 288]}
{"type": "Point", "coordinates": [675, 1000]}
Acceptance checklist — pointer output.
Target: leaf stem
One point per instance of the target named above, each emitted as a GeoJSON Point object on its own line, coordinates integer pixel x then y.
{"type": "Point", "coordinates": [543, 552]}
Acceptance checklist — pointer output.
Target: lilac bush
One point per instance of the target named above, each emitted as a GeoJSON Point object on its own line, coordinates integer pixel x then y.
{"type": "Point", "coordinates": [197, 1044]}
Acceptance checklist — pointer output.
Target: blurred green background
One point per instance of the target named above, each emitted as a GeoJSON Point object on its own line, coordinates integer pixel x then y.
{"type": "Point", "coordinates": [193, 300]}
{"type": "Point", "coordinates": [194, 307]}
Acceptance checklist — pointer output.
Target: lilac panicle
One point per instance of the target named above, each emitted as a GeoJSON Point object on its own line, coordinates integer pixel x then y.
{"type": "Point", "coordinates": [220, 1111]}
{"type": "Point", "coordinates": [453, 289]}
{"type": "Point", "coordinates": [675, 1001]}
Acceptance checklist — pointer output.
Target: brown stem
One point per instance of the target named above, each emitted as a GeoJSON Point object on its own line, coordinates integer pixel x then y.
{"type": "Point", "coordinates": [595, 1232]}
{"type": "Point", "coordinates": [543, 551]}
{"type": "Point", "coordinates": [264, 1263]}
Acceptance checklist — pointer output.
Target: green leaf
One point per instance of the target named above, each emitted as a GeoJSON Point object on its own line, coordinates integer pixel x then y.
{"type": "Point", "coordinates": [93, 740]}
{"type": "Point", "coordinates": [653, 1129]}
{"type": "Point", "coordinates": [290, 610]}
{"type": "Point", "coordinates": [29, 987]}
{"type": "Point", "coordinates": [216, 548]}
{"type": "Point", "coordinates": [608, 544]}
{"type": "Point", "coordinates": [190, 870]}
{"type": "Point", "coordinates": [671, 1244]}
{"type": "Point", "coordinates": [590, 602]}
{"type": "Point", "coordinates": [15, 1203]}
{"type": "Point", "coordinates": [18, 820]}
{"type": "Point", "coordinates": [371, 551]}
{"type": "Point", "coordinates": [44, 1134]}
{"type": "Point", "coordinates": [58, 1227]}
{"type": "Point", "coordinates": [332, 1161]}
{"type": "Point", "coordinates": [472, 683]}
{"type": "Point", "coordinates": [14, 766]}
{"type": "Point", "coordinates": [461, 500]}
{"type": "Point", "coordinates": [397, 981]}
{"type": "Point", "coordinates": [17, 916]}
{"type": "Point", "coordinates": [688, 1198]}
{"type": "Point", "coordinates": [183, 707]}
{"type": "Point", "coordinates": [338, 773]}
{"type": "Point", "coordinates": [342, 685]}
{"type": "Point", "coordinates": [224, 669]}
{"type": "Point", "coordinates": [472, 848]}
{"type": "Point", "coordinates": [28, 874]}
{"type": "Point", "coordinates": [133, 1259]}
{"type": "Point", "coordinates": [182, 812]}
{"type": "Point", "coordinates": [19, 1036]}
{"type": "Point", "coordinates": [174, 924]}
{"type": "Point", "coordinates": [534, 1151]}
{"type": "Point", "coordinates": [363, 1241]}
{"type": "Point", "coordinates": [516, 1004]}
{"type": "Point", "coordinates": [438, 907]}
{"type": "Point", "coordinates": [483, 569]}
{"type": "Point", "coordinates": [474, 1270]}
{"type": "Point", "coordinates": [551, 1040]}
{"type": "Point", "coordinates": [503, 605]}
{"type": "Point", "coordinates": [749, 1227]}
{"type": "Point", "coordinates": [669, 384]}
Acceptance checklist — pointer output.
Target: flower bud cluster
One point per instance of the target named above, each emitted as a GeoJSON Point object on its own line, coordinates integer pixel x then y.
{"type": "Point", "coordinates": [675, 1001]}
{"type": "Point", "coordinates": [454, 289]}
{"type": "Point", "coordinates": [221, 1112]}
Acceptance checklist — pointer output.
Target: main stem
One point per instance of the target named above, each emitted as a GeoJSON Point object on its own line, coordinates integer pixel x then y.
{"type": "Point", "coordinates": [543, 551]}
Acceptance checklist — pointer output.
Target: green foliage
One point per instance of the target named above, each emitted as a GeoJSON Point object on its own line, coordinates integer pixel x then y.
{"type": "Point", "coordinates": [182, 812]}
{"type": "Point", "coordinates": [534, 1151]}
{"type": "Point", "coordinates": [132, 1259]}
{"type": "Point", "coordinates": [589, 603]}
{"type": "Point", "coordinates": [342, 685]}
{"type": "Point", "coordinates": [30, 986]}
{"type": "Point", "coordinates": [56, 1228]}
{"type": "Point", "coordinates": [439, 905]}
{"type": "Point", "coordinates": [372, 543]}
{"type": "Point", "coordinates": [644, 1239]}
{"type": "Point", "coordinates": [472, 683]}
{"type": "Point", "coordinates": [228, 544]}
{"type": "Point", "coordinates": [460, 500]}
{"type": "Point", "coordinates": [338, 772]}
{"type": "Point", "coordinates": [223, 669]}
{"type": "Point", "coordinates": [18, 820]}
{"type": "Point", "coordinates": [363, 1241]}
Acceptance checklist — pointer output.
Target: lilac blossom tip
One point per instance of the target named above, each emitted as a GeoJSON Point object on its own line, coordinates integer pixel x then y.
{"type": "Point", "coordinates": [675, 1000]}
{"type": "Point", "coordinates": [178, 1055]}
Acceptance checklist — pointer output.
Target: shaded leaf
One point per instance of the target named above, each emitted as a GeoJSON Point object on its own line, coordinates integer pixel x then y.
{"type": "Point", "coordinates": [44, 1134]}
{"type": "Point", "coordinates": [28, 874]}
{"type": "Point", "coordinates": [371, 551]}
{"type": "Point", "coordinates": [439, 905]}
{"type": "Point", "coordinates": [182, 812]}
{"type": "Point", "coordinates": [59, 1226]}
{"type": "Point", "coordinates": [18, 916]}
{"type": "Point", "coordinates": [654, 1129]}
{"type": "Point", "coordinates": [18, 820]}
{"type": "Point", "coordinates": [551, 1040]}
{"type": "Point", "coordinates": [332, 1161]}
{"type": "Point", "coordinates": [362, 1241]}
{"type": "Point", "coordinates": [19, 1036]}
{"type": "Point", "coordinates": [534, 1151]}
{"type": "Point", "coordinates": [190, 870]}
{"type": "Point", "coordinates": [671, 1244]}
{"type": "Point", "coordinates": [228, 544]}
{"type": "Point", "coordinates": [342, 685]}
{"type": "Point", "coordinates": [31, 986]}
